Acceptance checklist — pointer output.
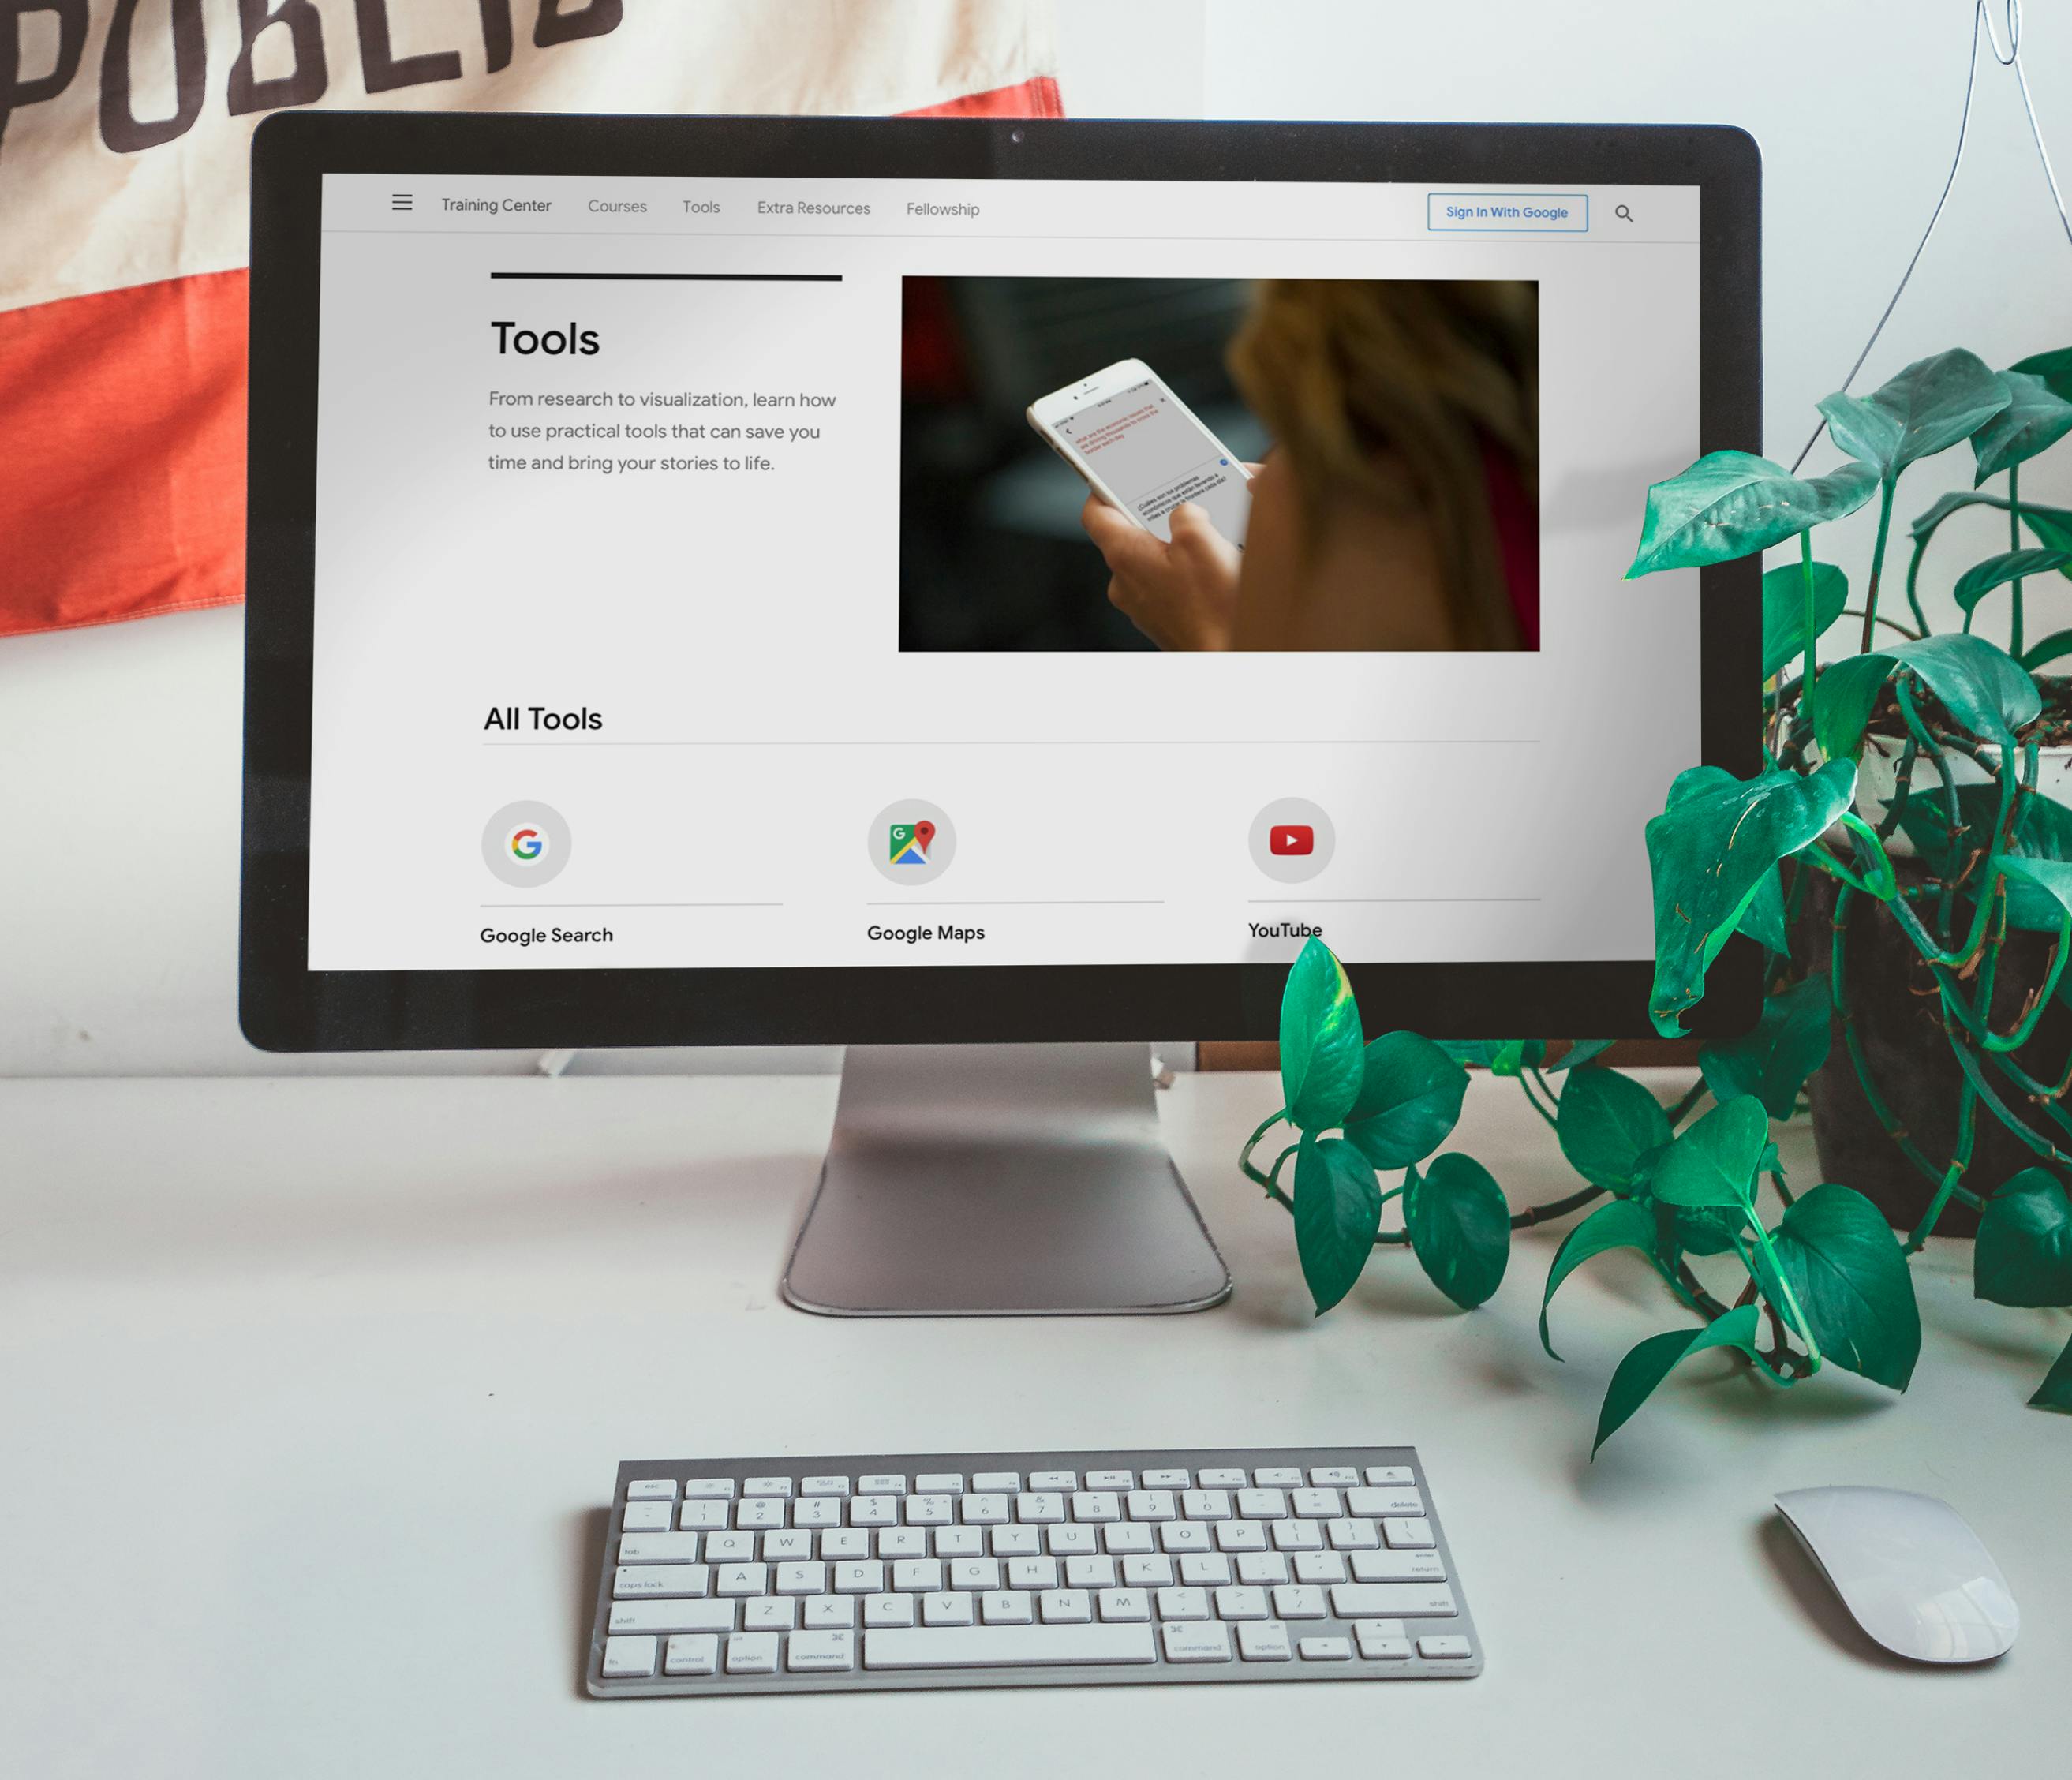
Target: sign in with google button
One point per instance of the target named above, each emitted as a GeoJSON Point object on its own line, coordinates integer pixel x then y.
{"type": "Point", "coordinates": [1508, 212]}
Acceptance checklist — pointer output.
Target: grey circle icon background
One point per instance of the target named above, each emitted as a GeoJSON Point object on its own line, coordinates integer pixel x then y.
{"type": "Point", "coordinates": [525, 874]}
{"type": "Point", "coordinates": [942, 851]}
{"type": "Point", "coordinates": [1297, 868]}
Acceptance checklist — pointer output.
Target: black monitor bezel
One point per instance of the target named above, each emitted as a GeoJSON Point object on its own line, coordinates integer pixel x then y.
{"type": "Point", "coordinates": [284, 1005]}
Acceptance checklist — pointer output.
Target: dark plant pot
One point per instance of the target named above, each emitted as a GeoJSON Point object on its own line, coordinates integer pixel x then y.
{"type": "Point", "coordinates": [1898, 1024]}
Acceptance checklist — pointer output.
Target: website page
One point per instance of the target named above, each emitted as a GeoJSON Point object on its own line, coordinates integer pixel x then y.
{"type": "Point", "coordinates": [711, 573]}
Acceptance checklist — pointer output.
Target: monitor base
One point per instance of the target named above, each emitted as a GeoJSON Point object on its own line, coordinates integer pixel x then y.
{"type": "Point", "coordinates": [1000, 1180]}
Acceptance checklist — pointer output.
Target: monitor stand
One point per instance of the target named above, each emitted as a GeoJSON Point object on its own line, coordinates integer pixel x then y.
{"type": "Point", "coordinates": [1000, 1180]}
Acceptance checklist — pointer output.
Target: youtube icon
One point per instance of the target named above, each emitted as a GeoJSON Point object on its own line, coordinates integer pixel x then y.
{"type": "Point", "coordinates": [1291, 839]}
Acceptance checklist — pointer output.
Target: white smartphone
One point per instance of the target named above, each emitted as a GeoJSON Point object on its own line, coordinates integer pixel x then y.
{"type": "Point", "coordinates": [1141, 449]}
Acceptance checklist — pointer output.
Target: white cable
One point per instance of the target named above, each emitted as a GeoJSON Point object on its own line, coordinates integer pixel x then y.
{"type": "Point", "coordinates": [1981, 22]}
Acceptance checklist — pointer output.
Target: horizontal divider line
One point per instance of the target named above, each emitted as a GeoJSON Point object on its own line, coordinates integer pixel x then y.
{"type": "Point", "coordinates": [630, 905]}
{"type": "Point", "coordinates": [1035, 903]}
{"type": "Point", "coordinates": [1307, 901]}
{"type": "Point", "coordinates": [686, 277]}
{"type": "Point", "coordinates": [1083, 742]}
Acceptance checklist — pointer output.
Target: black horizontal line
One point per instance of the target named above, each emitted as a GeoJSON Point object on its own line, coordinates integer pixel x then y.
{"type": "Point", "coordinates": [689, 277]}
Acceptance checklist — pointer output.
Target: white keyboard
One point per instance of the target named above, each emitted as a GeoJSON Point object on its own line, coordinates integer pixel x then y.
{"type": "Point", "coordinates": [1018, 1569]}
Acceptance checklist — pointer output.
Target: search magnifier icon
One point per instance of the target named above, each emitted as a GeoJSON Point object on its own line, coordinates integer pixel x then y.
{"type": "Point", "coordinates": [1623, 213]}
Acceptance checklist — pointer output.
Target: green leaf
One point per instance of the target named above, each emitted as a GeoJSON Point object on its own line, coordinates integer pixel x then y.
{"type": "Point", "coordinates": [2052, 525]}
{"type": "Point", "coordinates": [1713, 1161]}
{"type": "Point", "coordinates": [1498, 1056]}
{"type": "Point", "coordinates": [2054, 647]}
{"type": "Point", "coordinates": [2037, 885]}
{"type": "Point", "coordinates": [1710, 852]}
{"type": "Point", "coordinates": [1731, 503]}
{"type": "Point", "coordinates": [2024, 1253]}
{"type": "Point", "coordinates": [1648, 1364]}
{"type": "Point", "coordinates": [2055, 368]}
{"type": "Point", "coordinates": [1337, 1210]}
{"type": "Point", "coordinates": [1983, 577]}
{"type": "Point", "coordinates": [1409, 1100]}
{"type": "Point", "coordinates": [1988, 692]}
{"type": "Point", "coordinates": [1320, 1061]}
{"type": "Point", "coordinates": [1927, 407]}
{"type": "Point", "coordinates": [1460, 1227]}
{"type": "Point", "coordinates": [1772, 1062]}
{"type": "Point", "coordinates": [1702, 1229]}
{"type": "Point", "coordinates": [1621, 1224]}
{"type": "Point", "coordinates": [1580, 1053]}
{"type": "Point", "coordinates": [2035, 419]}
{"type": "Point", "coordinates": [1784, 609]}
{"type": "Point", "coordinates": [2055, 1392]}
{"type": "Point", "coordinates": [1849, 1274]}
{"type": "Point", "coordinates": [1607, 1122]}
{"type": "Point", "coordinates": [1763, 919]}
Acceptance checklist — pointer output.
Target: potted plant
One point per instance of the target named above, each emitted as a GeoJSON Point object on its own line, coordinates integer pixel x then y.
{"type": "Point", "coordinates": [1931, 975]}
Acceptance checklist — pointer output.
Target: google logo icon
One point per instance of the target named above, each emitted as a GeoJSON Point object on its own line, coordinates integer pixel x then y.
{"type": "Point", "coordinates": [526, 845]}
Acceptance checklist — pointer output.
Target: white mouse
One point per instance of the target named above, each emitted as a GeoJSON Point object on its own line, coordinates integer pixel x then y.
{"type": "Point", "coordinates": [1911, 1572]}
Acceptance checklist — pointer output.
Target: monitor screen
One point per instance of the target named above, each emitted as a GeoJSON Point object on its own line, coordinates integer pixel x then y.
{"type": "Point", "coordinates": [703, 578]}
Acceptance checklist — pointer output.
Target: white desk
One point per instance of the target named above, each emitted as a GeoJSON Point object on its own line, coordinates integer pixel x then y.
{"type": "Point", "coordinates": [311, 1391]}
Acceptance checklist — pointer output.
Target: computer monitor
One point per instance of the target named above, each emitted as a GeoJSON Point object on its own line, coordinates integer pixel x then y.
{"type": "Point", "coordinates": [672, 616]}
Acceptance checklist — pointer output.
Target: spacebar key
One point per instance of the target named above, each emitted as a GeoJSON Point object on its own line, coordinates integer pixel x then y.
{"type": "Point", "coordinates": [993, 1647]}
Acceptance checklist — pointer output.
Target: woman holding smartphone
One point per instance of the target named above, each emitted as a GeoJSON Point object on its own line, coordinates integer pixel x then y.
{"type": "Point", "coordinates": [1399, 507]}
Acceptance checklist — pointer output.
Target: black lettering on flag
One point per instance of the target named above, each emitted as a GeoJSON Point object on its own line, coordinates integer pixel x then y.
{"type": "Point", "coordinates": [120, 129]}
{"type": "Point", "coordinates": [382, 69]}
{"type": "Point", "coordinates": [14, 91]}
{"type": "Point", "coordinates": [302, 85]}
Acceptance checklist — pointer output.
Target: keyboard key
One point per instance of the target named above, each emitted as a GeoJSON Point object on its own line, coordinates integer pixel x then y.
{"type": "Point", "coordinates": [817, 1653]}
{"type": "Point", "coordinates": [844, 1542]}
{"type": "Point", "coordinates": [1261, 1504]}
{"type": "Point", "coordinates": [917, 1575]}
{"type": "Point", "coordinates": [1123, 1481]}
{"type": "Point", "coordinates": [823, 1486]}
{"type": "Point", "coordinates": [828, 1613]}
{"type": "Point", "coordinates": [932, 1510]}
{"type": "Point", "coordinates": [996, 1483]}
{"type": "Point", "coordinates": [1126, 1537]}
{"type": "Point", "coordinates": [1001, 1541]}
{"type": "Point", "coordinates": [818, 1512]}
{"type": "Point", "coordinates": [1204, 1569]}
{"type": "Point", "coordinates": [1039, 1506]}
{"type": "Point", "coordinates": [659, 1581]}
{"type": "Point", "coordinates": [720, 1487]}
{"type": "Point", "coordinates": [1351, 1535]}
{"type": "Point", "coordinates": [1224, 1477]}
{"type": "Point", "coordinates": [1034, 1573]}
{"type": "Point", "coordinates": [1152, 1504]}
{"type": "Point", "coordinates": [1064, 1606]}
{"type": "Point", "coordinates": [867, 1578]}
{"type": "Point", "coordinates": [786, 1546]}
{"type": "Point", "coordinates": [1325, 1650]}
{"type": "Point", "coordinates": [701, 1514]}
{"type": "Point", "coordinates": [1125, 1603]}
{"type": "Point", "coordinates": [975, 1575]}
{"type": "Point", "coordinates": [759, 1512]}
{"type": "Point", "coordinates": [648, 1517]}
{"type": "Point", "coordinates": [1236, 1601]}
{"type": "Point", "coordinates": [1263, 1642]}
{"type": "Point", "coordinates": [1393, 1601]}
{"type": "Point", "coordinates": [987, 1509]}
{"type": "Point", "coordinates": [730, 1547]}
{"type": "Point", "coordinates": [1205, 1504]}
{"type": "Point", "coordinates": [691, 1653]}
{"type": "Point", "coordinates": [1410, 1534]}
{"type": "Point", "coordinates": [1183, 1604]}
{"type": "Point", "coordinates": [1446, 1648]}
{"type": "Point", "coordinates": [658, 1547]}
{"type": "Point", "coordinates": [1185, 1535]}
{"type": "Point", "coordinates": [770, 1613]}
{"type": "Point", "coordinates": [1064, 1482]}
{"type": "Point", "coordinates": [888, 1609]}
{"type": "Point", "coordinates": [671, 1615]}
{"type": "Point", "coordinates": [802, 1579]}
{"type": "Point", "coordinates": [1381, 1640]}
{"type": "Point", "coordinates": [1006, 1607]}
{"type": "Point", "coordinates": [1319, 1566]}
{"type": "Point", "coordinates": [1374, 1504]}
{"type": "Point", "coordinates": [741, 1579]}
{"type": "Point", "coordinates": [1315, 1504]}
{"type": "Point", "coordinates": [946, 1609]}
{"type": "Point", "coordinates": [1089, 1572]}
{"type": "Point", "coordinates": [1293, 1600]}
{"type": "Point", "coordinates": [1297, 1535]}
{"type": "Point", "coordinates": [1258, 1568]}
{"type": "Point", "coordinates": [903, 1542]}
{"type": "Point", "coordinates": [1147, 1573]}
{"type": "Point", "coordinates": [766, 1486]}
{"type": "Point", "coordinates": [1398, 1567]}
{"type": "Point", "coordinates": [883, 1483]}
{"type": "Point", "coordinates": [992, 1646]}
{"type": "Point", "coordinates": [940, 1483]}
{"type": "Point", "coordinates": [752, 1653]}
{"type": "Point", "coordinates": [629, 1658]}
{"type": "Point", "coordinates": [1382, 1475]}
{"type": "Point", "coordinates": [1278, 1477]}
{"type": "Point", "coordinates": [1241, 1536]}
{"type": "Point", "coordinates": [1332, 1476]}
{"type": "Point", "coordinates": [1072, 1541]}
{"type": "Point", "coordinates": [875, 1510]}
{"type": "Point", "coordinates": [1095, 1505]}
{"type": "Point", "coordinates": [1196, 1643]}
{"type": "Point", "coordinates": [651, 1489]}
{"type": "Point", "coordinates": [1166, 1480]}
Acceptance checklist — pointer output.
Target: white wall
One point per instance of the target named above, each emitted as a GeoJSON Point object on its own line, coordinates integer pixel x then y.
{"type": "Point", "coordinates": [118, 747]}
{"type": "Point", "coordinates": [119, 769]}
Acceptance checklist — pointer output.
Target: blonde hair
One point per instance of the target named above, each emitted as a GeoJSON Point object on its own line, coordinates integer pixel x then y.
{"type": "Point", "coordinates": [1391, 391]}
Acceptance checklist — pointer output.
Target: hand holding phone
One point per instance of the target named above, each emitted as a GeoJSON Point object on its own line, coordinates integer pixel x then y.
{"type": "Point", "coordinates": [1140, 448]}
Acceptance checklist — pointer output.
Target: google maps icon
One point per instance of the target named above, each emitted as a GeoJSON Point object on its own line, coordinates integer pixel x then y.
{"type": "Point", "coordinates": [910, 841]}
